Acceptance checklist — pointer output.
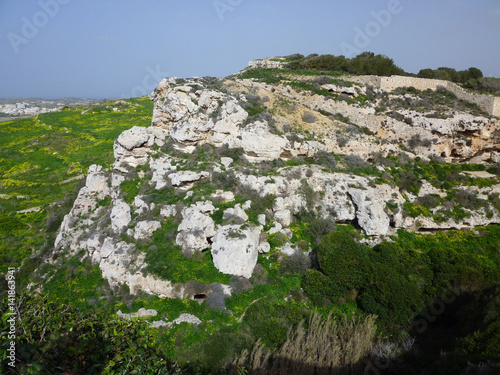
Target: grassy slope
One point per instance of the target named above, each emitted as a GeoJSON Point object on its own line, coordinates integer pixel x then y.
{"type": "Point", "coordinates": [39, 153]}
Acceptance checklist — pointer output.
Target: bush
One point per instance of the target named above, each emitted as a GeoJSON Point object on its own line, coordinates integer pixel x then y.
{"type": "Point", "coordinates": [319, 227]}
{"type": "Point", "coordinates": [325, 159]}
{"type": "Point", "coordinates": [316, 286]}
{"type": "Point", "coordinates": [354, 161]}
{"type": "Point", "coordinates": [309, 118]}
{"type": "Point", "coordinates": [299, 262]}
{"type": "Point", "coordinates": [343, 260]}
{"type": "Point", "coordinates": [270, 321]}
{"type": "Point", "coordinates": [226, 180]}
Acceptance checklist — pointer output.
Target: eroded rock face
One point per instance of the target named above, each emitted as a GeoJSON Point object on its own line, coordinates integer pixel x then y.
{"type": "Point", "coordinates": [145, 229]}
{"type": "Point", "coordinates": [196, 228]}
{"type": "Point", "coordinates": [120, 216]}
{"type": "Point", "coordinates": [235, 250]}
{"type": "Point", "coordinates": [188, 115]}
{"type": "Point", "coordinates": [370, 212]}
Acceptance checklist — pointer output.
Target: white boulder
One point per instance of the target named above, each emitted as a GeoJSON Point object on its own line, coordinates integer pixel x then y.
{"type": "Point", "coordinates": [120, 216]}
{"type": "Point", "coordinates": [235, 250]}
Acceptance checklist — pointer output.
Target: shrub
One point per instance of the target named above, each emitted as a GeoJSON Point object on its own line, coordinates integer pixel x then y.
{"type": "Point", "coordinates": [316, 286]}
{"type": "Point", "coordinates": [428, 201]}
{"type": "Point", "coordinates": [343, 260]}
{"type": "Point", "coordinates": [270, 320]}
{"type": "Point", "coordinates": [319, 227]}
{"type": "Point", "coordinates": [309, 118]}
{"type": "Point", "coordinates": [233, 153]}
{"type": "Point", "coordinates": [296, 263]}
{"type": "Point", "coordinates": [354, 161]}
{"type": "Point", "coordinates": [226, 180]}
{"type": "Point", "coordinates": [325, 159]}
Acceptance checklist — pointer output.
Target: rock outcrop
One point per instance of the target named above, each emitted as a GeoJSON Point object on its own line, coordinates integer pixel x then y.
{"type": "Point", "coordinates": [216, 178]}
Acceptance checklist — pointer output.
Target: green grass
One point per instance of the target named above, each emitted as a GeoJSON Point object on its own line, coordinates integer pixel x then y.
{"type": "Point", "coordinates": [167, 261]}
{"type": "Point", "coordinates": [38, 154]}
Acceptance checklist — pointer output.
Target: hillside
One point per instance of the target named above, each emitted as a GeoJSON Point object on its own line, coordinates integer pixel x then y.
{"type": "Point", "coordinates": [275, 221]}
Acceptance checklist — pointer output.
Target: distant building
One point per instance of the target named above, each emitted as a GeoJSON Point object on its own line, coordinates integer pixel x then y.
{"type": "Point", "coordinates": [20, 106]}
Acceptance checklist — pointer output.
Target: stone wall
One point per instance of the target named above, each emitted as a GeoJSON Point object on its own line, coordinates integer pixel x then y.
{"type": "Point", "coordinates": [487, 103]}
{"type": "Point", "coordinates": [269, 62]}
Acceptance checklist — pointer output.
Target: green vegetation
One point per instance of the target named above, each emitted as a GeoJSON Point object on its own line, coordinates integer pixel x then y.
{"type": "Point", "coordinates": [167, 262]}
{"type": "Point", "coordinates": [471, 78]}
{"type": "Point", "coordinates": [38, 155]}
{"type": "Point", "coordinates": [365, 63]}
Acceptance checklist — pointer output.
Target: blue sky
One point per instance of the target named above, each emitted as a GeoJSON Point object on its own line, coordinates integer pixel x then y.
{"type": "Point", "coordinates": [122, 48]}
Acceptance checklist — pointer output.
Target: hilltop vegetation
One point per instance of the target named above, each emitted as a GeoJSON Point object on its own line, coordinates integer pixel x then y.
{"type": "Point", "coordinates": [368, 63]}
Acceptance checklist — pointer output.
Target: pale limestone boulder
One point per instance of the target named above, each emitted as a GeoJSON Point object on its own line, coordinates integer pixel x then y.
{"type": "Point", "coordinates": [187, 318]}
{"type": "Point", "coordinates": [264, 247]}
{"type": "Point", "coordinates": [259, 144]}
{"type": "Point", "coordinates": [237, 212]}
{"type": "Point", "coordinates": [160, 168]}
{"type": "Point", "coordinates": [108, 248]}
{"type": "Point", "coordinates": [168, 211]}
{"type": "Point", "coordinates": [287, 249]}
{"type": "Point", "coordinates": [370, 212]}
{"type": "Point", "coordinates": [235, 250]}
{"type": "Point", "coordinates": [225, 196]}
{"type": "Point", "coordinates": [194, 217]}
{"type": "Point", "coordinates": [284, 217]}
{"type": "Point", "coordinates": [192, 240]}
{"type": "Point", "coordinates": [133, 138]}
{"type": "Point", "coordinates": [141, 313]}
{"type": "Point", "coordinates": [120, 216]}
{"type": "Point", "coordinates": [145, 229]}
{"type": "Point", "coordinates": [196, 227]}
{"type": "Point", "coordinates": [192, 130]}
{"type": "Point", "coordinates": [261, 219]}
{"type": "Point", "coordinates": [140, 205]}
{"type": "Point", "coordinates": [158, 324]}
{"type": "Point", "coordinates": [183, 177]}
{"type": "Point", "coordinates": [226, 162]}
{"type": "Point", "coordinates": [277, 227]}
{"type": "Point", "coordinates": [97, 181]}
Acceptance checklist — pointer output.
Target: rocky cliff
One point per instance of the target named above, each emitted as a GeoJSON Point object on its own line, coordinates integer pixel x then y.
{"type": "Point", "coordinates": [229, 168]}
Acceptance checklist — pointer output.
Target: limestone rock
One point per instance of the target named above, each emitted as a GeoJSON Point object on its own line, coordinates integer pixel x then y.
{"type": "Point", "coordinates": [194, 217]}
{"type": "Point", "coordinates": [370, 212]}
{"type": "Point", "coordinates": [195, 228]}
{"type": "Point", "coordinates": [158, 324]}
{"type": "Point", "coordinates": [180, 178]}
{"type": "Point", "coordinates": [226, 162]}
{"type": "Point", "coordinates": [133, 138]}
{"type": "Point", "coordinates": [259, 144]}
{"type": "Point", "coordinates": [120, 216]}
{"type": "Point", "coordinates": [160, 168]}
{"type": "Point", "coordinates": [192, 240]}
{"type": "Point", "coordinates": [284, 217]}
{"type": "Point", "coordinates": [187, 318]}
{"type": "Point", "coordinates": [146, 228]}
{"type": "Point", "coordinates": [235, 250]}
{"type": "Point", "coordinates": [96, 181]}
{"type": "Point", "coordinates": [141, 313]}
{"type": "Point", "coordinates": [236, 213]}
